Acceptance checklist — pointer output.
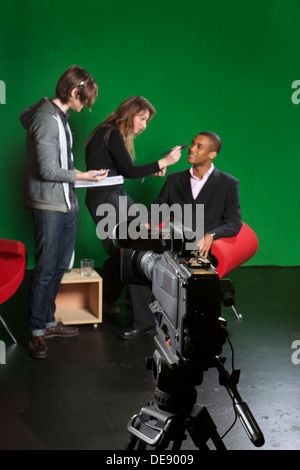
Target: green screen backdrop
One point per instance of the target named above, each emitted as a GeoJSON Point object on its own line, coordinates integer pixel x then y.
{"type": "Point", "coordinates": [228, 67]}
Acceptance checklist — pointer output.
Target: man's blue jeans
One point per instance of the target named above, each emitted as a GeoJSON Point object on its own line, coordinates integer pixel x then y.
{"type": "Point", "coordinates": [55, 237]}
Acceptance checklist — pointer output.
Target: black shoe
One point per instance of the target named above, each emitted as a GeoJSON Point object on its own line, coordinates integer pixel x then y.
{"type": "Point", "coordinates": [135, 334]}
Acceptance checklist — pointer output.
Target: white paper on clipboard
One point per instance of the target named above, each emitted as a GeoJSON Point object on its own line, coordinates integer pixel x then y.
{"type": "Point", "coordinates": [109, 181]}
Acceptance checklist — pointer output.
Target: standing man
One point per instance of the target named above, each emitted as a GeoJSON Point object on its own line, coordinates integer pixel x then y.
{"type": "Point", "coordinates": [48, 190]}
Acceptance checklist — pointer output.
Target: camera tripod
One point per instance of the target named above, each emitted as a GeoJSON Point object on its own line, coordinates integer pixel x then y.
{"type": "Point", "coordinates": [175, 413]}
{"type": "Point", "coordinates": [159, 429]}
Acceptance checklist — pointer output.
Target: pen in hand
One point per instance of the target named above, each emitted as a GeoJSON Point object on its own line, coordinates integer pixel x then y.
{"type": "Point", "coordinates": [95, 176]}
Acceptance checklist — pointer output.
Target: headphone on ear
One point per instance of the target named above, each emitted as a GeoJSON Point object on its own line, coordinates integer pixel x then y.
{"type": "Point", "coordinates": [80, 85]}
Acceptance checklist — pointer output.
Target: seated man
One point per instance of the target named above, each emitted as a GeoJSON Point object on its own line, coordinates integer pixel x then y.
{"type": "Point", "coordinates": [204, 184]}
{"type": "Point", "coordinates": [201, 184]}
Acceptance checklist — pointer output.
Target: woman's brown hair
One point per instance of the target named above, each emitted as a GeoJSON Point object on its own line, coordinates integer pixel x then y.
{"type": "Point", "coordinates": [122, 119]}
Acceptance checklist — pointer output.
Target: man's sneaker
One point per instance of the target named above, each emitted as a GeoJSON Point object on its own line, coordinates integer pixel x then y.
{"type": "Point", "coordinates": [62, 331]}
{"type": "Point", "coordinates": [38, 347]}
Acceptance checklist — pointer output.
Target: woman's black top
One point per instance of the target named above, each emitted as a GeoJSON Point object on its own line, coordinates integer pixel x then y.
{"type": "Point", "coordinates": [114, 156]}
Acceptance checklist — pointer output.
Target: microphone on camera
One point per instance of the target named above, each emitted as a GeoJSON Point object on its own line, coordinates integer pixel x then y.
{"type": "Point", "coordinates": [184, 146]}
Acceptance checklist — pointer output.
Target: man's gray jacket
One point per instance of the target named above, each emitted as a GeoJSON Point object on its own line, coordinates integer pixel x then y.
{"type": "Point", "coordinates": [46, 175]}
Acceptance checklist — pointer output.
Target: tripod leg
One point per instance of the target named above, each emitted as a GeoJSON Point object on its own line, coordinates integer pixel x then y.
{"type": "Point", "coordinates": [141, 445]}
{"type": "Point", "coordinates": [135, 443]}
{"type": "Point", "coordinates": [201, 428]}
{"type": "Point", "coordinates": [130, 444]}
{"type": "Point", "coordinates": [236, 311]}
{"type": "Point", "coordinates": [177, 445]}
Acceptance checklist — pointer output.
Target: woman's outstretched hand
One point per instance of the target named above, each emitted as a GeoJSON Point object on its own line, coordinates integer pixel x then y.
{"type": "Point", "coordinates": [162, 172]}
{"type": "Point", "coordinates": [171, 158]}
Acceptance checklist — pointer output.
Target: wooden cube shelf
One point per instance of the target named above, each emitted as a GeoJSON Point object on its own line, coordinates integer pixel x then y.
{"type": "Point", "coordinates": [79, 299]}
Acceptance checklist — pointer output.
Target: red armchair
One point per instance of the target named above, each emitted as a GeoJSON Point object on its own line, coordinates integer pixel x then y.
{"type": "Point", "coordinates": [13, 262]}
{"type": "Point", "coordinates": [234, 251]}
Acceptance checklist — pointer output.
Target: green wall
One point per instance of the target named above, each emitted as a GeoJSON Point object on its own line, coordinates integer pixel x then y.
{"type": "Point", "coordinates": [224, 66]}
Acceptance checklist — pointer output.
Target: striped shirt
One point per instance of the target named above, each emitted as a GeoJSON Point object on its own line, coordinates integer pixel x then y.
{"type": "Point", "coordinates": [64, 119]}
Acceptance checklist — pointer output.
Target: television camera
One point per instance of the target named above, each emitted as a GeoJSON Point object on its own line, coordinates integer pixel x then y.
{"type": "Point", "coordinates": [188, 297]}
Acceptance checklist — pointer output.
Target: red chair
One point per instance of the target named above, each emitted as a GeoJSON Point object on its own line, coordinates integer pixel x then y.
{"type": "Point", "coordinates": [13, 261]}
{"type": "Point", "coordinates": [234, 251]}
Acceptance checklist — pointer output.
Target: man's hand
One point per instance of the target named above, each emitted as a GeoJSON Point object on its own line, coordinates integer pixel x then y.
{"type": "Point", "coordinates": [91, 175]}
{"type": "Point", "coordinates": [205, 244]}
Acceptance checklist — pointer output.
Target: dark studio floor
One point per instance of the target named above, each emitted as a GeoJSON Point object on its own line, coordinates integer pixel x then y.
{"type": "Point", "coordinates": [83, 395]}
